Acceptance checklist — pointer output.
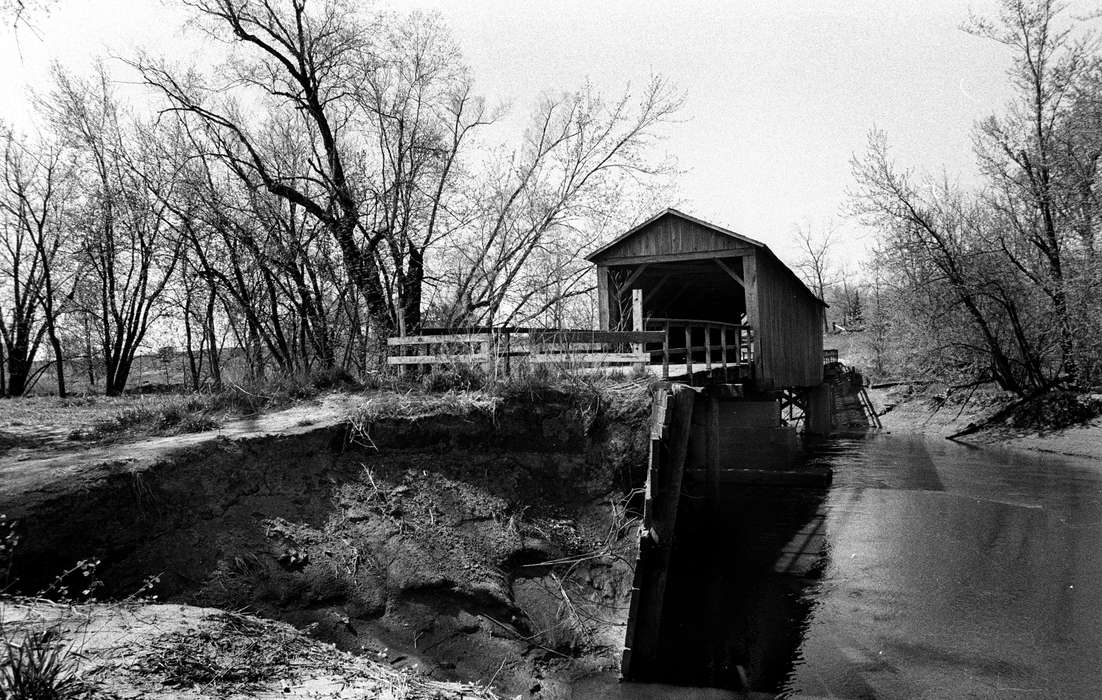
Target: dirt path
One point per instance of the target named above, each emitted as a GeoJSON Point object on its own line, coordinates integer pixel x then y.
{"type": "Point", "coordinates": [24, 474]}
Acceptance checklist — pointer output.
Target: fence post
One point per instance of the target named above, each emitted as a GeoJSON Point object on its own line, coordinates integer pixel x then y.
{"type": "Point", "coordinates": [723, 349]}
{"type": "Point", "coordinates": [637, 324]}
{"type": "Point", "coordinates": [487, 351]}
{"type": "Point", "coordinates": [666, 352]}
{"type": "Point", "coordinates": [689, 353]}
{"type": "Point", "coordinates": [708, 349]}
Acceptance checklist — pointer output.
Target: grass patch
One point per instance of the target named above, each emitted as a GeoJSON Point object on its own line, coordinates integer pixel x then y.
{"type": "Point", "coordinates": [39, 667]}
{"type": "Point", "coordinates": [410, 406]}
{"type": "Point", "coordinates": [152, 416]}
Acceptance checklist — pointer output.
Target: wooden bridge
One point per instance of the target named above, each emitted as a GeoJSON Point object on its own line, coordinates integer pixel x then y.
{"type": "Point", "coordinates": [685, 299]}
{"type": "Point", "coordinates": [739, 338]}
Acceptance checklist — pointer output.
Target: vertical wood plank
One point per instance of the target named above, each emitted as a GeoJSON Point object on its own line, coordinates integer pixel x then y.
{"type": "Point", "coordinates": [656, 542]}
{"type": "Point", "coordinates": [602, 298]}
{"type": "Point", "coordinates": [723, 349]}
{"type": "Point", "coordinates": [753, 308]}
{"type": "Point", "coordinates": [666, 352]}
{"type": "Point", "coordinates": [712, 449]}
{"type": "Point", "coordinates": [637, 322]}
{"type": "Point", "coordinates": [689, 353]}
{"type": "Point", "coordinates": [708, 348]}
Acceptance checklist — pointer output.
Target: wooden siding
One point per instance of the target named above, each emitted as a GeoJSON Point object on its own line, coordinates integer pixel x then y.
{"type": "Point", "coordinates": [788, 327]}
{"type": "Point", "coordinates": [671, 237]}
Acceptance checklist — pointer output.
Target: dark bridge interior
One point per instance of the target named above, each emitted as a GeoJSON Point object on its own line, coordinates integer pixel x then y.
{"type": "Point", "coordinates": [687, 289]}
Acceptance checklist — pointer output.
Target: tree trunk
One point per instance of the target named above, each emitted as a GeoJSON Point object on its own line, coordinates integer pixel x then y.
{"type": "Point", "coordinates": [88, 354]}
{"type": "Point", "coordinates": [410, 293]}
{"type": "Point", "coordinates": [212, 345]}
{"type": "Point", "coordinates": [59, 360]}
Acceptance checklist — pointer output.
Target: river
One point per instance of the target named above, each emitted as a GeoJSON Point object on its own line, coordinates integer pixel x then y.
{"type": "Point", "coordinates": [949, 571]}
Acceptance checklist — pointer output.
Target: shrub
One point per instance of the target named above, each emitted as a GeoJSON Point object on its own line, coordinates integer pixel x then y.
{"type": "Point", "coordinates": [459, 377]}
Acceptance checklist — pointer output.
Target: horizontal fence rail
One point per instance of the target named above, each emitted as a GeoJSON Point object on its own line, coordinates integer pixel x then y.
{"type": "Point", "coordinates": [686, 346]}
{"type": "Point", "coordinates": [498, 347]}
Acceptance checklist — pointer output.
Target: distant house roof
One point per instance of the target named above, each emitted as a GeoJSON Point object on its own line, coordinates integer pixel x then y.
{"type": "Point", "coordinates": [596, 255]}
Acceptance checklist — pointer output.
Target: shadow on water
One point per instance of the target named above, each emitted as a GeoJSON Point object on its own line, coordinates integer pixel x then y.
{"type": "Point", "coordinates": [927, 569]}
{"type": "Point", "coordinates": [736, 597]}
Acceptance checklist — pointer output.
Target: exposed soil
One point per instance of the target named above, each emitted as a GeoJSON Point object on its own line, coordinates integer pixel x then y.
{"type": "Point", "coordinates": [469, 539]}
{"type": "Point", "coordinates": [1060, 423]}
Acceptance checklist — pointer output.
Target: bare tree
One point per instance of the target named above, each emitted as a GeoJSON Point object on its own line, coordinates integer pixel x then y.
{"type": "Point", "coordinates": [576, 157]}
{"type": "Point", "coordinates": [36, 188]}
{"type": "Point", "coordinates": [935, 243]}
{"type": "Point", "coordinates": [126, 246]}
{"type": "Point", "coordinates": [422, 115]}
{"type": "Point", "coordinates": [815, 263]}
{"type": "Point", "coordinates": [1030, 155]}
{"type": "Point", "coordinates": [303, 64]}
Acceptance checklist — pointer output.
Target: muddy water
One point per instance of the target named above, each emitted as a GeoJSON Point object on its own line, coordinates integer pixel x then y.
{"type": "Point", "coordinates": [949, 571]}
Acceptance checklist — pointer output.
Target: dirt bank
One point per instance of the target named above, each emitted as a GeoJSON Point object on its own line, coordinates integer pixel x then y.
{"type": "Point", "coordinates": [473, 538]}
{"type": "Point", "coordinates": [938, 411]}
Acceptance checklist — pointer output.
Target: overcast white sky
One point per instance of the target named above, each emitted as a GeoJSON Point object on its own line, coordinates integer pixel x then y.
{"type": "Point", "coordinates": [780, 93]}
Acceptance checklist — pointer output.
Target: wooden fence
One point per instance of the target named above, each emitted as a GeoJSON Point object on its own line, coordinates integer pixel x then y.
{"type": "Point", "coordinates": [501, 348]}
{"type": "Point", "coordinates": [681, 346]}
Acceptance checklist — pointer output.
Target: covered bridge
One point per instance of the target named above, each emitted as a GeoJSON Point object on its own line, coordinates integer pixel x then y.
{"type": "Point", "coordinates": [700, 282]}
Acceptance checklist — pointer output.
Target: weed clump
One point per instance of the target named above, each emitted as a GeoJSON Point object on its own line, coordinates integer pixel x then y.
{"type": "Point", "coordinates": [160, 416]}
{"type": "Point", "coordinates": [39, 667]}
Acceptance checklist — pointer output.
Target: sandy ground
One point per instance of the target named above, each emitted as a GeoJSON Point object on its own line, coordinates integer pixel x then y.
{"type": "Point", "coordinates": [142, 650]}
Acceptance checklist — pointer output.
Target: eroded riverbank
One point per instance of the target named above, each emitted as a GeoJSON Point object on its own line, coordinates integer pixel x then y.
{"type": "Point", "coordinates": [489, 541]}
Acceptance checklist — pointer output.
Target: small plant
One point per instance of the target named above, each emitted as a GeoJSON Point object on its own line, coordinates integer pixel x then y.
{"type": "Point", "coordinates": [77, 583]}
{"type": "Point", "coordinates": [8, 541]}
{"type": "Point", "coordinates": [38, 667]}
{"type": "Point", "coordinates": [459, 377]}
{"type": "Point", "coordinates": [197, 424]}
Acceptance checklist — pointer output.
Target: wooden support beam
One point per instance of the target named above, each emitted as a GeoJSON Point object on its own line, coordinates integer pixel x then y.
{"type": "Point", "coordinates": [670, 258]}
{"type": "Point", "coordinates": [666, 351]}
{"type": "Point", "coordinates": [637, 323]}
{"type": "Point", "coordinates": [668, 458]}
{"type": "Point", "coordinates": [762, 372]}
{"type": "Point", "coordinates": [603, 302]}
{"type": "Point", "coordinates": [723, 349]}
{"type": "Point", "coordinates": [689, 354]}
{"type": "Point", "coordinates": [708, 347]}
{"type": "Point", "coordinates": [711, 448]}
{"type": "Point", "coordinates": [734, 275]}
{"type": "Point", "coordinates": [649, 296]}
{"type": "Point", "coordinates": [632, 277]}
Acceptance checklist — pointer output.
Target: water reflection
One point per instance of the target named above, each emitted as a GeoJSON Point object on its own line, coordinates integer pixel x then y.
{"type": "Point", "coordinates": [954, 572]}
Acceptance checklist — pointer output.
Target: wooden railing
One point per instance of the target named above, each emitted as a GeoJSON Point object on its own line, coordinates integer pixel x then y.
{"type": "Point", "coordinates": [683, 347]}
{"type": "Point", "coordinates": [500, 347]}
{"type": "Point", "coordinates": [703, 345]}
